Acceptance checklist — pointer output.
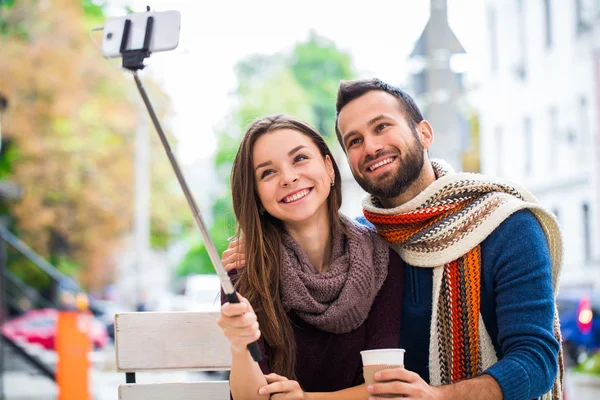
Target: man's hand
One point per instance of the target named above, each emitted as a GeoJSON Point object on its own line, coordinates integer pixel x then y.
{"type": "Point", "coordinates": [403, 382]}
{"type": "Point", "coordinates": [281, 388]}
{"type": "Point", "coordinates": [234, 256]}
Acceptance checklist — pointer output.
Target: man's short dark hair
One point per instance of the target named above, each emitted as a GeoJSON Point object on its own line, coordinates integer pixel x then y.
{"type": "Point", "coordinates": [350, 90]}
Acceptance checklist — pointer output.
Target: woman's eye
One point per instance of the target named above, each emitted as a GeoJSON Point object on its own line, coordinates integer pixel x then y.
{"type": "Point", "coordinates": [266, 173]}
{"type": "Point", "coordinates": [300, 157]}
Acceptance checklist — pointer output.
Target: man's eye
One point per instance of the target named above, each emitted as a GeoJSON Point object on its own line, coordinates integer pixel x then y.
{"type": "Point", "coordinates": [353, 142]}
{"type": "Point", "coordinates": [381, 127]}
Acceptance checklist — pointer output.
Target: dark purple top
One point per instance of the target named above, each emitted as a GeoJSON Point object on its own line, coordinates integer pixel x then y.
{"type": "Point", "coordinates": [326, 362]}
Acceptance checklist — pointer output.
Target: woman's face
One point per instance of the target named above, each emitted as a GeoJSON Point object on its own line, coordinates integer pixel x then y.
{"type": "Point", "coordinates": [293, 180]}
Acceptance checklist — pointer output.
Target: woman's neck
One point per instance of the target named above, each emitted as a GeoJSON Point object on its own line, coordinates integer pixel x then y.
{"type": "Point", "coordinates": [314, 237]}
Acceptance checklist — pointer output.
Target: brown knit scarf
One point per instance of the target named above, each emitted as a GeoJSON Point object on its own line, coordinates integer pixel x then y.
{"type": "Point", "coordinates": [338, 300]}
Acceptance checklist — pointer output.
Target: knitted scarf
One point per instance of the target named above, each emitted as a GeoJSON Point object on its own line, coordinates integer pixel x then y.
{"type": "Point", "coordinates": [442, 228]}
{"type": "Point", "coordinates": [339, 299]}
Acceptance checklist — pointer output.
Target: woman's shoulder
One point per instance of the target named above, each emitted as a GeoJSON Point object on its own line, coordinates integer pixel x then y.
{"type": "Point", "coordinates": [362, 230]}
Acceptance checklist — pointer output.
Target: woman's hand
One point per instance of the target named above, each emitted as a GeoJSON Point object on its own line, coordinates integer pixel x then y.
{"type": "Point", "coordinates": [239, 324]}
{"type": "Point", "coordinates": [281, 388]}
{"type": "Point", "coordinates": [234, 256]}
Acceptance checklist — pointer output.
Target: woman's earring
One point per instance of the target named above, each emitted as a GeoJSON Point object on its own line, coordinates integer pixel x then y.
{"type": "Point", "coordinates": [261, 210]}
{"type": "Point", "coordinates": [332, 181]}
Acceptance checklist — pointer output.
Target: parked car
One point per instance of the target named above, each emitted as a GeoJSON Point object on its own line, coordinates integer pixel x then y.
{"type": "Point", "coordinates": [107, 311]}
{"type": "Point", "coordinates": [579, 313]}
{"type": "Point", "coordinates": [39, 326]}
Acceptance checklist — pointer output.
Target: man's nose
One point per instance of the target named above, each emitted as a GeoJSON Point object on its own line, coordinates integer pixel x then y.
{"type": "Point", "coordinates": [372, 145]}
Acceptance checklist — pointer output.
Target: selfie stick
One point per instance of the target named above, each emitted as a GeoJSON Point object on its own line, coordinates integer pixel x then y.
{"type": "Point", "coordinates": [133, 60]}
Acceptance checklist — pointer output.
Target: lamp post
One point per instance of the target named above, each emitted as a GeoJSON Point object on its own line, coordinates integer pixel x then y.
{"type": "Point", "coordinates": [3, 266]}
{"type": "Point", "coordinates": [3, 106]}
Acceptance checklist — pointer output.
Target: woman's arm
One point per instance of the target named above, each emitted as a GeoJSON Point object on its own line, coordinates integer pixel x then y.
{"type": "Point", "coordinates": [353, 393]}
{"type": "Point", "coordinates": [291, 389]}
{"type": "Point", "coordinates": [240, 326]}
{"type": "Point", "coordinates": [246, 377]}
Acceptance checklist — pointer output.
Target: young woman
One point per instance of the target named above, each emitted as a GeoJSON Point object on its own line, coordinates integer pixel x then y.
{"type": "Point", "coordinates": [317, 287]}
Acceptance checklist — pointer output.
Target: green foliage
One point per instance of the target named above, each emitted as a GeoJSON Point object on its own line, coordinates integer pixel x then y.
{"type": "Point", "coordinates": [8, 156]}
{"type": "Point", "coordinates": [197, 260]}
{"type": "Point", "coordinates": [591, 364]}
{"type": "Point", "coordinates": [319, 67]}
{"type": "Point", "coordinates": [302, 84]}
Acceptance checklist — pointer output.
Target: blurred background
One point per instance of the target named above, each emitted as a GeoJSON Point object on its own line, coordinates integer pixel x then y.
{"type": "Point", "coordinates": [89, 204]}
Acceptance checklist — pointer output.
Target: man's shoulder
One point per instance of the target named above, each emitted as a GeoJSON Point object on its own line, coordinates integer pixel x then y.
{"type": "Point", "coordinates": [520, 233]}
{"type": "Point", "coordinates": [522, 222]}
{"type": "Point", "coordinates": [363, 221]}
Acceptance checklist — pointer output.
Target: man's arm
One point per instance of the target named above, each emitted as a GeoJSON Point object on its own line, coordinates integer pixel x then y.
{"type": "Point", "coordinates": [412, 386]}
{"type": "Point", "coordinates": [519, 255]}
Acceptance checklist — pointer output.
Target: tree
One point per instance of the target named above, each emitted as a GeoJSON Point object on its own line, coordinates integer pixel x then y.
{"type": "Point", "coordinates": [71, 128]}
{"type": "Point", "coordinates": [303, 84]}
{"type": "Point", "coordinates": [319, 66]}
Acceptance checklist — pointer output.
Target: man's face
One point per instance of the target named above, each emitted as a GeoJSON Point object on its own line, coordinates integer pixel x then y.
{"type": "Point", "coordinates": [385, 154]}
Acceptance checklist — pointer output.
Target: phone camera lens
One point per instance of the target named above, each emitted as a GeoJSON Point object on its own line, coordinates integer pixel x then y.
{"type": "Point", "coordinates": [109, 35]}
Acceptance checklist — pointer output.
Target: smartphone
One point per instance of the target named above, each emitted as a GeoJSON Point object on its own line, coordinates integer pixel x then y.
{"type": "Point", "coordinates": [165, 32]}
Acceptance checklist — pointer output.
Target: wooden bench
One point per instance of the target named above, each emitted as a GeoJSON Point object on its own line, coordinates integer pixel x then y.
{"type": "Point", "coordinates": [171, 341]}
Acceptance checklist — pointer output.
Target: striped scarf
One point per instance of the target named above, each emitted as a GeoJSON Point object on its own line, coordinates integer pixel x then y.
{"type": "Point", "coordinates": [442, 228]}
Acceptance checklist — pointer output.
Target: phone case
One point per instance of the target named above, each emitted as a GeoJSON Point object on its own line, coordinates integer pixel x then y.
{"type": "Point", "coordinates": [165, 33]}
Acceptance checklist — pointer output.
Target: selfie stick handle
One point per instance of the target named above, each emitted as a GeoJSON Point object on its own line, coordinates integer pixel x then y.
{"type": "Point", "coordinates": [134, 63]}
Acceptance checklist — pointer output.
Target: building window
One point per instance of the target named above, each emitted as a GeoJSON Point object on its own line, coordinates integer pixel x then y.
{"type": "Point", "coordinates": [554, 137]}
{"type": "Point", "coordinates": [499, 150]}
{"type": "Point", "coordinates": [528, 138]}
{"type": "Point", "coordinates": [584, 122]}
{"type": "Point", "coordinates": [584, 14]}
{"type": "Point", "coordinates": [521, 67]}
{"type": "Point", "coordinates": [587, 240]}
{"type": "Point", "coordinates": [419, 81]}
{"type": "Point", "coordinates": [579, 24]}
{"type": "Point", "coordinates": [493, 40]}
{"type": "Point", "coordinates": [548, 22]}
{"type": "Point", "coordinates": [556, 214]}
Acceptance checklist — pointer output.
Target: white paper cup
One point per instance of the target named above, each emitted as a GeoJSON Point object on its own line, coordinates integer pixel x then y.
{"type": "Point", "coordinates": [377, 360]}
{"type": "Point", "coordinates": [383, 357]}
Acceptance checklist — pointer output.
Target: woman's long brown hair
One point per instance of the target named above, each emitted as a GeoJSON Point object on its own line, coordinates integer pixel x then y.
{"type": "Point", "coordinates": [259, 280]}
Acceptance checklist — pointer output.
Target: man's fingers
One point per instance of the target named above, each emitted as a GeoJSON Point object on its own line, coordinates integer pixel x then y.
{"type": "Point", "coordinates": [394, 387]}
{"type": "Point", "coordinates": [398, 374]}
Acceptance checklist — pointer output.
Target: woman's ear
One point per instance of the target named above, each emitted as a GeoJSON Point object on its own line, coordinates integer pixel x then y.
{"type": "Point", "coordinates": [329, 167]}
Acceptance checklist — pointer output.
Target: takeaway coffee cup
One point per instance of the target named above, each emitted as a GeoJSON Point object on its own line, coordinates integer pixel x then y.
{"type": "Point", "coordinates": [376, 360]}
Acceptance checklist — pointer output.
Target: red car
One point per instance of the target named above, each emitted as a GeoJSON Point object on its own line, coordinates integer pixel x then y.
{"type": "Point", "coordinates": [39, 326]}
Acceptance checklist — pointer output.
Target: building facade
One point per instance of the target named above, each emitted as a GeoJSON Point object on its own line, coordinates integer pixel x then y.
{"type": "Point", "coordinates": [539, 116]}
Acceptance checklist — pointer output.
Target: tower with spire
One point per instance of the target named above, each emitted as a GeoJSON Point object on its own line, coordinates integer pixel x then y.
{"type": "Point", "coordinates": [437, 88]}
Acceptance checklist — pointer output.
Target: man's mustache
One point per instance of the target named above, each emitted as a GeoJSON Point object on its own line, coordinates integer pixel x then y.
{"type": "Point", "coordinates": [370, 158]}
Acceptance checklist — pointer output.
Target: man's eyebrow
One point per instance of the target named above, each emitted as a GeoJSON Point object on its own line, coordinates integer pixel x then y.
{"type": "Point", "coordinates": [377, 118]}
{"type": "Point", "coordinates": [290, 153]}
{"type": "Point", "coordinates": [369, 123]}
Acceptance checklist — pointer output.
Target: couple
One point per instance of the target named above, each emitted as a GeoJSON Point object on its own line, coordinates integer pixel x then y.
{"type": "Point", "coordinates": [458, 269]}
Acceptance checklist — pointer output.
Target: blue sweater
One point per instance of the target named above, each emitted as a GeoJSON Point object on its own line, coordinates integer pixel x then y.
{"type": "Point", "coordinates": [517, 306]}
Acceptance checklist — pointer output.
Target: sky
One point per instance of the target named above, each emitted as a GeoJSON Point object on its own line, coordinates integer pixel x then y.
{"type": "Point", "coordinates": [199, 75]}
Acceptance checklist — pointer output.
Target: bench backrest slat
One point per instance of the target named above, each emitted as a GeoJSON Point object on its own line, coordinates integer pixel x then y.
{"type": "Point", "coordinates": [175, 391]}
{"type": "Point", "coordinates": [170, 340]}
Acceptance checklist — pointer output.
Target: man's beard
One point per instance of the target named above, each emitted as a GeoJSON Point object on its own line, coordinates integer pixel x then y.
{"type": "Point", "coordinates": [396, 182]}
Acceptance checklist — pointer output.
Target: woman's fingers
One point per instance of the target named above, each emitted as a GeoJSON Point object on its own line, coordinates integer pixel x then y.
{"type": "Point", "coordinates": [239, 323]}
{"type": "Point", "coordinates": [281, 388]}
